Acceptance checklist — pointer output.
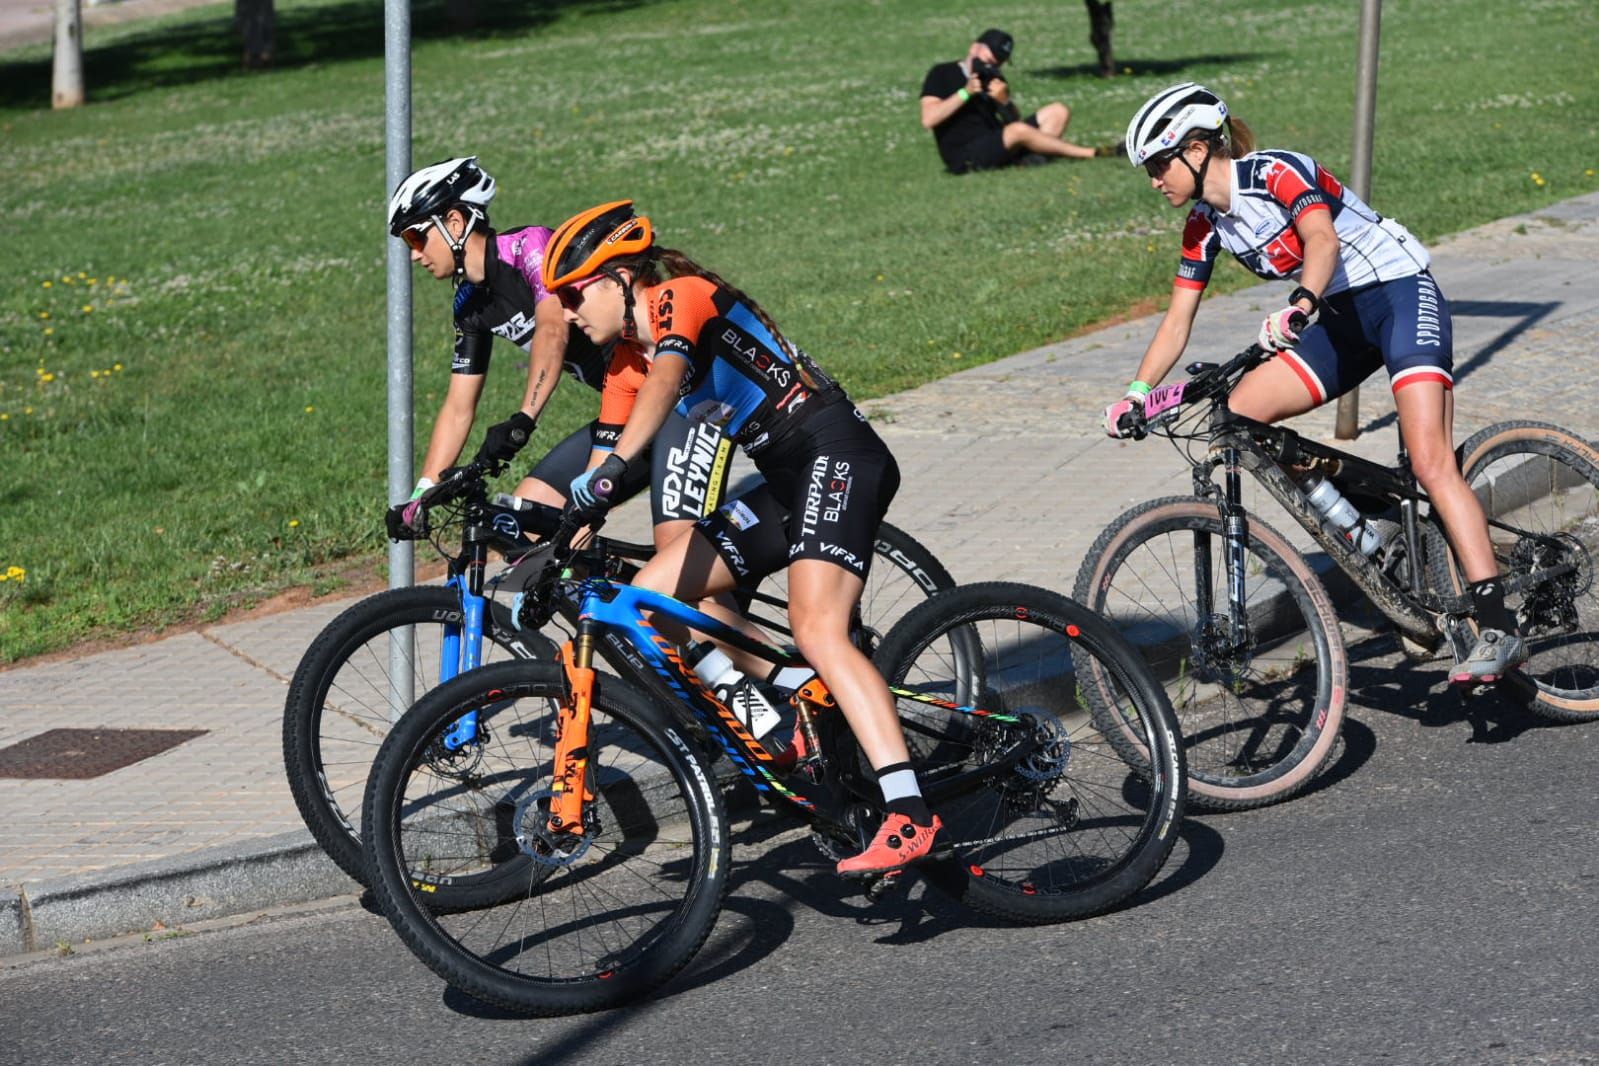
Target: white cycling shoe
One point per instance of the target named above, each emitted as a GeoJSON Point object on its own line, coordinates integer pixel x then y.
{"type": "Point", "coordinates": [1495, 655]}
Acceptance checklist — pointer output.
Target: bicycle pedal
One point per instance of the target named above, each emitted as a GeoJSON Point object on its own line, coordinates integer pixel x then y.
{"type": "Point", "coordinates": [880, 886]}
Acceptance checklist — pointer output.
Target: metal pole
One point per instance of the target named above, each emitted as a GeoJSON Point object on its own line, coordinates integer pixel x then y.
{"type": "Point", "coordinates": [66, 81]}
{"type": "Point", "coordinates": [1347, 426]}
{"type": "Point", "coordinates": [397, 164]}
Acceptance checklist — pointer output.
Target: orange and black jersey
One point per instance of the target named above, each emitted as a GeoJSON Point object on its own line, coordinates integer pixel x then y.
{"type": "Point", "coordinates": [741, 377]}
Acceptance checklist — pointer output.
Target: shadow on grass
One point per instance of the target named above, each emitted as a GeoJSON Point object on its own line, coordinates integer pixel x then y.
{"type": "Point", "coordinates": [1136, 67]}
{"type": "Point", "coordinates": [208, 48]}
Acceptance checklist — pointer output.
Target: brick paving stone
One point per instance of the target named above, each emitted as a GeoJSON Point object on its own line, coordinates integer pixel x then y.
{"type": "Point", "coordinates": [1005, 475]}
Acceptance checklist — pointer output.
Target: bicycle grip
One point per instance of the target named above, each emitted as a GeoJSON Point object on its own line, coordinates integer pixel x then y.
{"type": "Point", "coordinates": [1298, 321]}
{"type": "Point", "coordinates": [1131, 423]}
{"type": "Point", "coordinates": [603, 487]}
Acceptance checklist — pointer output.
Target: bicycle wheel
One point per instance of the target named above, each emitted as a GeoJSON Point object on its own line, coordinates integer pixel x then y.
{"type": "Point", "coordinates": [1046, 820]}
{"type": "Point", "coordinates": [1260, 717]}
{"type": "Point", "coordinates": [578, 923]}
{"type": "Point", "coordinates": [343, 701]}
{"type": "Point", "coordinates": [1544, 482]}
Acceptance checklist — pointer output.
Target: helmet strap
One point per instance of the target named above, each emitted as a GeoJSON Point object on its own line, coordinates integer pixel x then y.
{"type": "Point", "coordinates": [458, 246]}
{"type": "Point", "coordinates": [629, 302]}
{"type": "Point", "coordinates": [1199, 175]}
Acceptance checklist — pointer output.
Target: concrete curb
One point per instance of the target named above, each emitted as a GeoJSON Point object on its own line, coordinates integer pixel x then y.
{"type": "Point", "coordinates": [214, 883]}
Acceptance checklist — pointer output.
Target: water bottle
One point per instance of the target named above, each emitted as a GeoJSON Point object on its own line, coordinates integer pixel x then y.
{"type": "Point", "coordinates": [713, 667]}
{"type": "Point", "coordinates": [1344, 516]}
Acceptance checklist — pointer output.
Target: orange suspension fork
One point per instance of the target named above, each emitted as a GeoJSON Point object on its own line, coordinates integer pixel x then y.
{"type": "Point", "coordinates": [572, 738]}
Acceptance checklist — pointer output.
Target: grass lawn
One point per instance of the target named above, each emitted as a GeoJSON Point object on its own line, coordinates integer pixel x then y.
{"type": "Point", "coordinates": [192, 404]}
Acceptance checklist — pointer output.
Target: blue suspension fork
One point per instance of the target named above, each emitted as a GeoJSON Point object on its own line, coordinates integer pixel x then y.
{"type": "Point", "coordinates": [462, 646]}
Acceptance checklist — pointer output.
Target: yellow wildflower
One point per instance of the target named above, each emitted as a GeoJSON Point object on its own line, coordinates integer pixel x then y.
{"type": "Point", "coordinates": [294, 523]}
{"type": "Point", "coordinates": [87, 308]}
{"type": "Point", "coordinates": [116, 366]}
{"type": "Point", "coordinates": [48, 378]}
{"type": "Point", "coordinates": [309, 409]}
{"type": "Point", "coordinates": [48, 284]}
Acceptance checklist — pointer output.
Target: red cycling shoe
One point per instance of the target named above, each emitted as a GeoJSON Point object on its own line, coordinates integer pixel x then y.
{"type": "Point", "coordinates": [899, 842]}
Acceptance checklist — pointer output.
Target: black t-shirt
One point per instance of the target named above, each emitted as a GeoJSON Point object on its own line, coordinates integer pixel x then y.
{"type": "Point", "coordinates": [501, 305]}
{"type": "Point", "coordinates": [975, 118]}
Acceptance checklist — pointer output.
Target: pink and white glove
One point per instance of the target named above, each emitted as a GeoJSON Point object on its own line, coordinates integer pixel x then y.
{"type": "Point", "coordinates": [1277, 332]}
{"type": "Point", "coordinates": [1134, 400]}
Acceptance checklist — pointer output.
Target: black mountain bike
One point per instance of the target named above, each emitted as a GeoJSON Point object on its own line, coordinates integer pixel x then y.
{"type": "Point", "coordinates": [1236, 623]}
{"type": "Point", "coordinates": [372, 661]}
{"type": "Point", "coordinates": [547, 838]}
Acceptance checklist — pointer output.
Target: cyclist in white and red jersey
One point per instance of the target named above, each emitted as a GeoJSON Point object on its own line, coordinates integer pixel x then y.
{"type": "Point", "coordinates": [441, 212]}
{"type": "Point", "coordinates": [716, 357]}
{"type": "Point", "coordinates": [1363, 283]}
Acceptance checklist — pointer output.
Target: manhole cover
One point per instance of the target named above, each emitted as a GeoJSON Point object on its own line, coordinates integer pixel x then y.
{"type": "Point", "coordinates": [75, 754]}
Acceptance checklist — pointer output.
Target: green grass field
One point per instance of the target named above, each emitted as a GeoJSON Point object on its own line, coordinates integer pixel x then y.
{"type": "Point", "coordinates": [192, 404]}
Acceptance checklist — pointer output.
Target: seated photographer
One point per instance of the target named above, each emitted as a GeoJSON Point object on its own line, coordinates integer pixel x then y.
{"type": "Point", "coordinates": [968, 107]}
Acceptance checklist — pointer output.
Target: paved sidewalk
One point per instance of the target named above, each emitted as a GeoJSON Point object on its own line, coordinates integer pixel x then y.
{"type": "Point", "coordinates": [1006, 475]}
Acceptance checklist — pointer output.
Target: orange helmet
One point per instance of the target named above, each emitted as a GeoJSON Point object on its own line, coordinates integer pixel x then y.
{"type": "Point", "coordinates": [588, 240]}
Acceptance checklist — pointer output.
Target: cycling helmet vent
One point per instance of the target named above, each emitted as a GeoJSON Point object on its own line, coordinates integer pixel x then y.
{"type": "Point", "coordinates": [589, 239]}
{"type": "Point", "coordinates": [1169, 116]}
{"type": "Point", "coordinates": [435, 188]}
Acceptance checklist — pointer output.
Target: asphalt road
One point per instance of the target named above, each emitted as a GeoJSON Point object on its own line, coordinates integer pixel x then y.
{"type": "Point", "coordinates": [1434, 900]}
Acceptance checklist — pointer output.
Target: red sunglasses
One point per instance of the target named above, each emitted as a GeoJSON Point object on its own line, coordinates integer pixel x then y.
{"type": "Point", "coordinates": [571, 294]}
{"type": "Point", "coordinates": [416, 237]}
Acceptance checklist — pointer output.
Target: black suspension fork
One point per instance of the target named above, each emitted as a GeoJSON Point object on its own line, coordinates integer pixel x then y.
{"type": "Point", "coordinates": [1235, 535]}
{"type": "Point", "coordinates": [1235, 530]}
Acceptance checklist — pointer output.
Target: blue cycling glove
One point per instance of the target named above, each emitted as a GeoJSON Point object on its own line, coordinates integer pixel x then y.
{"type": "Point", "coordinates": [594, 490]}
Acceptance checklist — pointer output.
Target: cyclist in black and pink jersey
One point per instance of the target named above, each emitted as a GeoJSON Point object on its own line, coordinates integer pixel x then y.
{"type": "Point", "coordinates": [441, 212]}
{"type": "Point", "coordinates": [1364, 284]}
{"type": "Point", "coordinates": [718, 359]}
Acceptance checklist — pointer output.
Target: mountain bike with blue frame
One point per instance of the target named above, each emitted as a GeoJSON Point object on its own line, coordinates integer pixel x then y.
{"type": "Point", "coordinates": [579, 805]}
{"type": "Point", "coordinates": [1239, 626]}
{"type": "Point", "coordinates": [371, 662]}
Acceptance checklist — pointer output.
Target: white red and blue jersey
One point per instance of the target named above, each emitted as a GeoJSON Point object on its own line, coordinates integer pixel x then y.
{"type": "Point", "coordinates": [1273, 189]}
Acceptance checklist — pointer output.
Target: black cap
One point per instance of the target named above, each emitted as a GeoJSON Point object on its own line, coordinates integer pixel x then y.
{"type": "Point", "coordinates": [999, 42]}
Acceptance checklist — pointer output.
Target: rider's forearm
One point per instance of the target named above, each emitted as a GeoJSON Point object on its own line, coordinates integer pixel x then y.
{"type": "Point", "coordinates": [450, 431]}
{"type": "Point", "coordinates": [656, 398]}
{"type": "Point", "coordinates": [543, 370]}
{"type": "Point", "coordinates": [1163, 352]}
{"type": "Point", "coordinates": [1321, 261]}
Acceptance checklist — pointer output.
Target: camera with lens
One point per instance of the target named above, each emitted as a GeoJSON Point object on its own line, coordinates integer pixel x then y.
{"type": "Point", "coordinates": [986, 72]}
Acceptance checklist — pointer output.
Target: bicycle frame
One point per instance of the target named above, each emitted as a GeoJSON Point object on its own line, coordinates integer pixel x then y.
{"type": "Point", "coordinates": [617, 612]}
{"type": "Point", "coordinates": [1240, 443]}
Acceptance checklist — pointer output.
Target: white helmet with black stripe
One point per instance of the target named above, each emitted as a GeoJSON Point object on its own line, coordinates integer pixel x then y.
{"type": "Point", "coordinates": [1169, 116]}
{"type": "Point", "coordinates": [433, 189]}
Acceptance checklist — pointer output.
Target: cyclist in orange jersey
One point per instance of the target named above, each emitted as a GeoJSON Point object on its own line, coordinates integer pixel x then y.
{"type": "Point", "coordinates": [717, 358]}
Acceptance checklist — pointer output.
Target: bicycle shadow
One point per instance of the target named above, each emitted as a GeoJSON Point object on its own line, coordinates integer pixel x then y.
{"type": "Point", "coordinates": [804, 878]}
{"type": "Point", "coordinates": [1525, 314]}
{"type": "Point", "coordinates": [1381, 678]}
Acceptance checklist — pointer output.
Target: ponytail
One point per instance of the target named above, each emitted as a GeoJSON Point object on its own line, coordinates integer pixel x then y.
{"type": "Point", "coordinates": [662, 264]}
{"type": "Point", "coordinates": [1240, 138]}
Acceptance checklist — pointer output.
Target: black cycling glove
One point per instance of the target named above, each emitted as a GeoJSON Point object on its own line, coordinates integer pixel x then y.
{"type": "Point", "coordinates": [504, 439]}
